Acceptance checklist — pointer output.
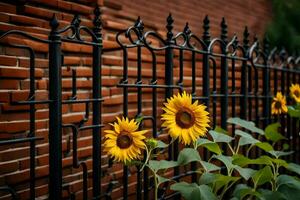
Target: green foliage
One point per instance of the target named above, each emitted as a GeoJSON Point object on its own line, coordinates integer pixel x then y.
{"type": "Point", "coordinates": [193, 191]}
{"type": "Point", "coordinates": [262, 176]}
{"type": "Point", "coordinates": [272, 134]}
{"type": "Point", "coordinates": [246, 124]}
{"type": "Point", "coordinates": [284, 29]}
{"type": "Point", "coordinates": [289, 187]}
{"type": "Point", "coordinates": [220, 137]}
{"type": "Point", "coordinates": [188, 155]}
{"type": "Point", "coordinates": [210, 145]}
{"type": "Point", "coordinates": [162, 164]}
{"type": "Point", "coordinates": [293, 111]}
{"type": "Point", "coordinates": [215, 183]}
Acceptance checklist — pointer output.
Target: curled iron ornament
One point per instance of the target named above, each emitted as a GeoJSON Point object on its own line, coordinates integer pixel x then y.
{"type": "Point", "coordinates": [182, 35]}
{"type": "Point", "coordinates": [195, 39]}
{"type": "Point", "coordinates": [137, 29]}
{"type": "Point", "coordinates": [76, 29]}
{"type": "Point", "coordinates": [256, 53]}
{"type": "Point", "coordinates": [233, 44]}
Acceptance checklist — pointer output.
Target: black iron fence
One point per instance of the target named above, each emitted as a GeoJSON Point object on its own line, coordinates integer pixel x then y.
{"type": "Point", "coordinates": [232, 78]}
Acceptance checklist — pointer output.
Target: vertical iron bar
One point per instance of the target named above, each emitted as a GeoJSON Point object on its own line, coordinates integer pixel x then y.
{"type": "Point", "coordinates": [180, 81]}
{"type": "Point", "coordinates": [206, 75]}
{"type": "Point", "coordinates": [244, 90]}
{"type": "Point", "coordinates": [233, 99]}
{"type": "Point", "coordinates": [193, 74]}
{"type": "Point", "coordinates": [55, 118]}
{"type": "Point", "coordinates": [97, 110]}
{"type": "Point", "coordinates": [214, 91]}
{"type": "Point", "coordinates": [266, 84]}
{"type": "Point", "coordinates": [169, 70]}
{"type": "Point", "coordinates": [224, 77]}
{"type": "Point", "coordinates": [125, 113]}
{"type": "Point", "coordinates": [139, 111]}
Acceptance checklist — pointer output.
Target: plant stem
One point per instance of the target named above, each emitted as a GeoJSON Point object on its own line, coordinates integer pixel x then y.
{"type": "Point", "coordinates": [248, 150]}
{"type": "Point", "coordinates": [155, 187]}
{"type": "Point", "coordinates": [148, 152]}
{"type": "Point", "coordinates": [231, 149]}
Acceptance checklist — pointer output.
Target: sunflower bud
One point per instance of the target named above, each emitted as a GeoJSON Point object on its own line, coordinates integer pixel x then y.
{"type": "Point", "coordinates": [152, 143]}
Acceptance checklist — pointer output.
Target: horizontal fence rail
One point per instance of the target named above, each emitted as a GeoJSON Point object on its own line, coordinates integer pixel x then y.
{"type": "Point", "coordinates": [232, 78]}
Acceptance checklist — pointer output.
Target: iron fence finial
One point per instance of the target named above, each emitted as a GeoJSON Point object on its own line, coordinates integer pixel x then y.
{"type": "Point", "coordinates": [169, 27]}
{"type": "Point", "coordinates": [76, 20]}
{"type": "Point", "coordinates": [139, 25]}
{"type": "Point", "coordinates": [246, 39]}
{"type": "Point", "coordinates": [266, 45]}
{"type": "Point", "coordinates": [206, 27]}
{"type": "Point", "coordinates": [97, 22]}
{"type": "Point", "coordinates": [187, 29]}
{"type": "Point", "coordinates": [54, 23]}
{"type": "Point", "coordinates": [224, 30]}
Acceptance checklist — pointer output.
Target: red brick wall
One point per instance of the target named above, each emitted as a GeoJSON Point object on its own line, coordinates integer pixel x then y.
{"type": "Point", "coordinates": [238, 14]}
{"type": "Point", "coordinates": [32, 16]}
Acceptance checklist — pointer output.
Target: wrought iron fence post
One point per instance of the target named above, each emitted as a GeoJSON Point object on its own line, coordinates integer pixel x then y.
{"type": "Point", "coordinates": [224, 76]}
{"type": "Point", "coordinates": [169, 57]}
{"type": "Point", "coordinates": [97, 51]}
{"type": "Point", "coordinates": [206, 39]}
{"type": "Point", "coordinates": [266, 84]}
{"type": "Point", "coordinates": [244, 90]}
{"type": "Point", "coordinates": [55, 118]}
{"type": "Point", "coordinates": [169, 68]}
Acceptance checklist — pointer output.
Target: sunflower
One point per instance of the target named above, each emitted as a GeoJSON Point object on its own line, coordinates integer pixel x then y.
{"type": "Point", "coordinates": [184, 119]}
{"type": "Point", "coordinates": [279, 104]}
{"type": "Point", "coordinates": [124, 143]}
{"type": "Point", "coordinates": [295, 92]}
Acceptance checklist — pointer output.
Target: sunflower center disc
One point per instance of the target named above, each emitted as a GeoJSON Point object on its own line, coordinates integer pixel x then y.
{"type": "Point", "coordinates": [297, 93]}
{"type": "Point", "coordinates": [185, 118]}
{"type": "Point", "coordinates": [124, 141]}
{"type": "Point", "coordinates": [278, 105]}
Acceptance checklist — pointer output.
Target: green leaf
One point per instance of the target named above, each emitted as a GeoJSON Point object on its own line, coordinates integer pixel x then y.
{"type": "Point", "coordinates": [246, 124]}
{"type": "Point", "coordinates": [161, 179]}
{"type": "Point", "coordinates": [218, 180]}
{"type": "Point", "coordinates": [139, 119]}
{"type": "Point", "coordinates": [161, 144]}
{"type": "Point", "coordinates": [156, 165]}
{"type": "Point", "coordinates": [222, 180]}
{"type": "Point", "coordinates": [203, 192]}
{"type": "Point", "coordinates": [243, 161]}
{"type": "Point", "coordinates": [227, 160]}
{"type": "Point", "coordinates": [184, 188]}
{"type": "Point", "coordinates": [274, 195]}
{"type": "Point", "coordinates": [246, 173]}
{"type": "Point", "coordinates": [220, 130]}
{"type": "Point", "coordinates": [242, 190]}
{"type": "Point", "coordinates": [280, 162]}
{"type": "Point", "coordinates": [264, 146]}
{"type": "Point", "coordinates": [210, 145]}
{"type": "Point", "coordinates": [293, 167]}
{"type": "Point", "coordinates": [220, 137]}
{"type": "Point", "coordinates": [188, 155]}
{"type": "Point", "coordinates": [293, 112]}
{"type": "Point", "coordinates": [207, 178]}
{"type": "Point", "coordinates": [288, 186]}
{"type": "Point", "coordinates": [271, 133]}
{"type": "Point", "coordinates": [262, 176]}
{"type": "Point", "coordinates": [209, 167]}
{"type": "Point", "coordinates": [278, 154]}
{"type": "Point", "coordinates": [245, 138]}
{"type": "Point", "coordinates": [285, 146]}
